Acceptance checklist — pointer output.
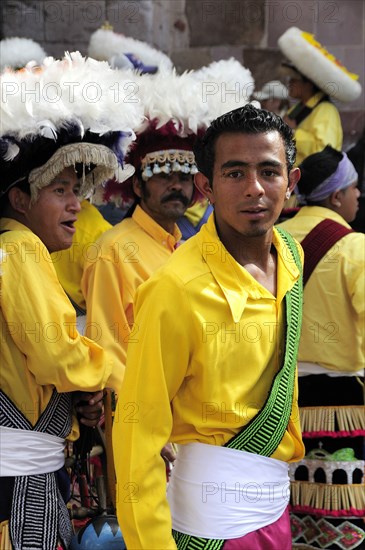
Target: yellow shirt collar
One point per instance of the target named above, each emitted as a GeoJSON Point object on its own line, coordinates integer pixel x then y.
{"type": "Point", "coordinates": [322, 212]}
{"type": "Point", "coordinates": [155, 230]}
{"type": "Point", "coordinates": [9, 224]}
{"type": "Point", "coordinates": [235, 282]}
{"type": "Point", "coordinates": [315, 99]}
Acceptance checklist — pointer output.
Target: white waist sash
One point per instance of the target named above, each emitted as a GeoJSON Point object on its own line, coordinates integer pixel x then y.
{"type": "Point", "coordinates": [26, 452]}
{"type": "Point", "coordinates": [305, 369]}
{"type": "Point", "coordinates": [220, 493]}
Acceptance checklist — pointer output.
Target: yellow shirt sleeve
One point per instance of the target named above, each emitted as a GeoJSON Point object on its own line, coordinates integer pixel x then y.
{"type": "Point", "coordinates": [142, 508]}
{"type": "Point", "coordinates": [106, 318]}
{"type": "Point", "coordinates": [41, 348]}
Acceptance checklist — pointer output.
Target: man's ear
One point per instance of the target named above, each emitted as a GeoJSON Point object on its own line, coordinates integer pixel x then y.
{"type": "Point", "coordinates": [203, 185]}
{"type": "Point", "coordinates": [137, 186]}
{"type": "Point", "coordinates": [19, 200]}
{"type": "Point", "coordinates": [294, 177]}
{"type": "Point", "coordinates": [335, 199]}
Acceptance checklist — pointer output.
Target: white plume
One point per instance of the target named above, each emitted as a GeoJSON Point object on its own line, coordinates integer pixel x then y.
{"type": "Point", "coordinates": [74, 89]}
{"type": "Point", "coordinates": [194, 99]}
{"type": "Point", "coordinates": [48, 129]}
{"type": "Point", "coordinates": [12, 151]}
{"type": "Point", "coordinates": [225, 85]}
{"type": "Point", "coordinates": [167, 96]}
{"type": "Point", "coordinates": [16, 52]}
{"type": "Point", "coordinates": [106, 44]}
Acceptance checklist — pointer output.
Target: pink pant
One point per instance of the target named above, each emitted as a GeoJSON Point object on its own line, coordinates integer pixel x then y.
{"type": "Point", "coordinates": [276, 536]}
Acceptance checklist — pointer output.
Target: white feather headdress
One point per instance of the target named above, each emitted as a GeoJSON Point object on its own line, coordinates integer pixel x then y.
{"type": "Point", "coordinates": [107, 45]}
{"type": "Point", "coordinates": [225, 85]}
{"type": "Point", "coordinates": [69, 101]}
{"type": "Point", "coordinates": [192, 100]}
{"type": "Point", "coordinates": [16, 52]}
{"type": "Point", "coordinates": [177, 109]}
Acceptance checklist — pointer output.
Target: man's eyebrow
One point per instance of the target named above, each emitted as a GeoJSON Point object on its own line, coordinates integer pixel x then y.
{"type": "Point", "coordinates": [232, 163]}
{"type": "Point", "coordinates": [271, 162]}
{"type": "Point", "coordinates": [240, 163]}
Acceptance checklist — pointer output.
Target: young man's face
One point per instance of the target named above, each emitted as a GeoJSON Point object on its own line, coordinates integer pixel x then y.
{"type": "Point", "coordinates": [166, 197]}
{"type": "Point", "coordinates": [53, 215]}
{"type": "Point", "coordinates": [250, 182]}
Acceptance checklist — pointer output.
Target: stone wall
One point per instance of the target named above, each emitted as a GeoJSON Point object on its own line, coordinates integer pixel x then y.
{"type": "Point", "coordinates": [195, 32]}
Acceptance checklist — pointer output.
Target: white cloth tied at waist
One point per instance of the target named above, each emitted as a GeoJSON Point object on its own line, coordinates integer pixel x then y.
{"type": "Point", "coordinates": [306, 368]}
{"type": "Point", "coordinates": [220, 493]}
{"type": "Point", "coordinates": [27, 452]}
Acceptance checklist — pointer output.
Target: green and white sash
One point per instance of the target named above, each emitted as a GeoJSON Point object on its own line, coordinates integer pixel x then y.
{"type": "Point", "coordinates": [263, 434]}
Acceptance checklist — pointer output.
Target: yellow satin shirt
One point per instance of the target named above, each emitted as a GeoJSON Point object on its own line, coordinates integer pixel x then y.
{"type": "Point", "coordinates": [208, 341]}
{"type": "Point", "coordinates": [333, 329]}
{"type": "Point", "coordinates": [128, 255]}
{"type": "Point", "coordinates": [40, 347]}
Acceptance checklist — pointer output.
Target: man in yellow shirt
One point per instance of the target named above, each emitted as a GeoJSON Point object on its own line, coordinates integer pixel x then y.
{"type": "Point", "coordinates": [213, 364]}
{"type": "Point", "coordinates": [130, 252]}
{"type": "Point", "coordinates": [316, 78]}
{"type": "Point", "coordinates": [45, 168]}
{"type": "Point", "coordinates": [332, 346]}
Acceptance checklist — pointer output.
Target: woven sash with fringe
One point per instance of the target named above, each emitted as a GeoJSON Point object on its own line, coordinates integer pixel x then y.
{"type": "Point", "coordinates": [262, 435]}
{"type": "Point", "coordinates": [38, 514]}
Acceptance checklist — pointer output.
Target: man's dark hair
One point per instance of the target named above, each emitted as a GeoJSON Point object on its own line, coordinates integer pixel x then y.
{"type": "Point", "coordinates": [318, 167]}
{"type": "Point", "coordinates": [4, 199]}
{"type": "Point", "coordinates": [245, 120]}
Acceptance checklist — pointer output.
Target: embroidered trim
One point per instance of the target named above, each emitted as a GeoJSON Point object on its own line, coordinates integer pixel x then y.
{"type": "Point", "coordinates": [347, 419]}
{"type": "Point", "coordinates": [351, 513]}
{"type": "Point", "coordinates": [168, 161]}
{"type": "Point", "coordinates": [324, 534]}
{"type": "Point", "coordinates": [187, 542]}
{"type": "Point", "coordinates": [328, 498]}
{"type": "Point", "coordinates": [69, 155]}
{"type": "Point", "coordinates": [338, 433]}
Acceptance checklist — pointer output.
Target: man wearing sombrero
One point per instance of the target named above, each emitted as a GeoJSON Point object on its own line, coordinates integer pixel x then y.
{"type": "Point", "coordinates": [316, 78]}
{"type": "Point", "coordinates": [132, 250]}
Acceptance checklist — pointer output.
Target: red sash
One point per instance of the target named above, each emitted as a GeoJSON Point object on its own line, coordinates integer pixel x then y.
{"type": "Point", "coordinates": [318, 242]}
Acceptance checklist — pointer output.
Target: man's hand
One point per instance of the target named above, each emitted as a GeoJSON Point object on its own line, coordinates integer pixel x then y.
{"type": "Point", "coordinates": [89, 407]}
{"type": "Point", "coordinates": [168, 453]}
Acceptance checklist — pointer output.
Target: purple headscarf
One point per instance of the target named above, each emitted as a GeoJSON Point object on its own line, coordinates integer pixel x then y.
{"type": "Point", "coordinates": [343, 177]}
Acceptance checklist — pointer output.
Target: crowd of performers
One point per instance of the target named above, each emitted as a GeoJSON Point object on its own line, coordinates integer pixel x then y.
{"type": "Point", "coordinates": [212, 356]}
